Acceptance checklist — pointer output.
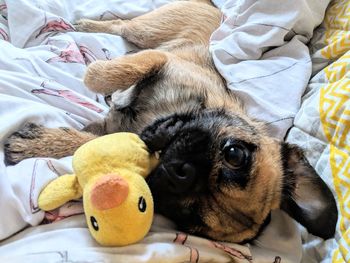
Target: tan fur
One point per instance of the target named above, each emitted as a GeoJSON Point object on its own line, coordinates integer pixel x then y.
{"type": "Point", "coordinates": [160, 28]}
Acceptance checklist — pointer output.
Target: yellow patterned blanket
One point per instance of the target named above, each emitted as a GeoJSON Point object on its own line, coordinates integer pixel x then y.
{"type": "Point", "coordinates": [322, 125]}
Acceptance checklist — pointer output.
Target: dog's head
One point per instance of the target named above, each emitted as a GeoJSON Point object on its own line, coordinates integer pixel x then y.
{"type": "Point", "coordinates": [220, 177]}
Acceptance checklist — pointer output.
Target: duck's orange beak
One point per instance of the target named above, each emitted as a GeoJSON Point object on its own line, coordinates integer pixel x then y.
{"type": "Point", "coordinates": [109, 192]}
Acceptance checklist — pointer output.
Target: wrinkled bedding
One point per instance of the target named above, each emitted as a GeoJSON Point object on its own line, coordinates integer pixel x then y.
{"type": "Point", "coordinates": [260, 50]}
{"type": "Point", "coordinates": [322, 125]}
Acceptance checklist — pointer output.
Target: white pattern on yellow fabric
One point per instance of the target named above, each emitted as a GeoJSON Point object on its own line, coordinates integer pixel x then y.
{"type": "Point", "coordinates": [335, 115]}
{"type": "Point", "coordinates": [337, 25]}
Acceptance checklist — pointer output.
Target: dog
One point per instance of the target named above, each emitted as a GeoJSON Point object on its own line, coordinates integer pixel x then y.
{"type": "Point", "coordinates": [220, 173]}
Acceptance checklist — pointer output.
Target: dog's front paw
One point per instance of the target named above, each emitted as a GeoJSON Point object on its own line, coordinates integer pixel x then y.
{"type": "Point", "coordinates": [159, 134]}
{"type": "Point", "coordinates": [22, 144]}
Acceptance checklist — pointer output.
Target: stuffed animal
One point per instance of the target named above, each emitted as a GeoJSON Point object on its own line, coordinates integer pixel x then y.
{"type": "Point", "coordinates": [109, 174]}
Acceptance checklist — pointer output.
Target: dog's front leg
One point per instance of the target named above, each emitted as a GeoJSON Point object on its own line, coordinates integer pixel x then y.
{"type": "Point", "coordinates": [37, 141]}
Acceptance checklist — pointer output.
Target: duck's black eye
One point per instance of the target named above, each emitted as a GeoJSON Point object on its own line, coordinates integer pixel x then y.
{"type": "Point", "coordinates": [142, 204]}
{"type": "Point", "coordinates": [94, 223]}
{"type": "Point", "coordinates": [236, 156]}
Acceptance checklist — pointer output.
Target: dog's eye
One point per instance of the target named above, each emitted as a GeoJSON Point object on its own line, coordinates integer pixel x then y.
{"type": "Point", "coordinates": [235, 156]}
{"type": "Point", "coordinates": [108, 99]}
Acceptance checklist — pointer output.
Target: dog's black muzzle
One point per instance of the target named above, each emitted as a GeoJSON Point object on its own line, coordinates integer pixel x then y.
{"type": "Point", "coordinates": [185, 161]}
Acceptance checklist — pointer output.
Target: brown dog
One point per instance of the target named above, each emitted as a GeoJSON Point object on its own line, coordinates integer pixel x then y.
{"type": "Point", "coordinates": [220, 173]}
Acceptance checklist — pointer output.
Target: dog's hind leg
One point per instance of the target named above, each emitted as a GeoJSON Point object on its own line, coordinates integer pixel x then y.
{"type": "Point", "coordinates": [167, 27]}
{"type": "Point", "coordinates": [37, 141]}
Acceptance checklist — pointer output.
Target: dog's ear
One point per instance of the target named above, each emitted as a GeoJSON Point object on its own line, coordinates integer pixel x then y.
{"type": "Point", "coordinates": [120, 73]}
{"type": "Point", "coordinates": [305, 196]}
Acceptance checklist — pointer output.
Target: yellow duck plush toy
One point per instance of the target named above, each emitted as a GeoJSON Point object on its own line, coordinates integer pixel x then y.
{"type": "Point", "coordinates": [109, 174]}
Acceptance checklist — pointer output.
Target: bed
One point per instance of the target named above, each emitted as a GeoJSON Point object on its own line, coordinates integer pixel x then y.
{"type": "Point", "coordinates": [288, 62]}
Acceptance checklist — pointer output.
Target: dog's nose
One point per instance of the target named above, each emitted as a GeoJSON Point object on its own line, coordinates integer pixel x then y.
{"type": "Point", "coordinates": [179, 177]}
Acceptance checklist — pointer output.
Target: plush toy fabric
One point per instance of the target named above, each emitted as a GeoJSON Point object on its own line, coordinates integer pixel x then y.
{"type": "Point", "coordinates": [109, 174]}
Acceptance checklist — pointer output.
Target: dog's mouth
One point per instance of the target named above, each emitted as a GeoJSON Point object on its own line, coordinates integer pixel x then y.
{"type": "Point", "coordinates": [177, 177]}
